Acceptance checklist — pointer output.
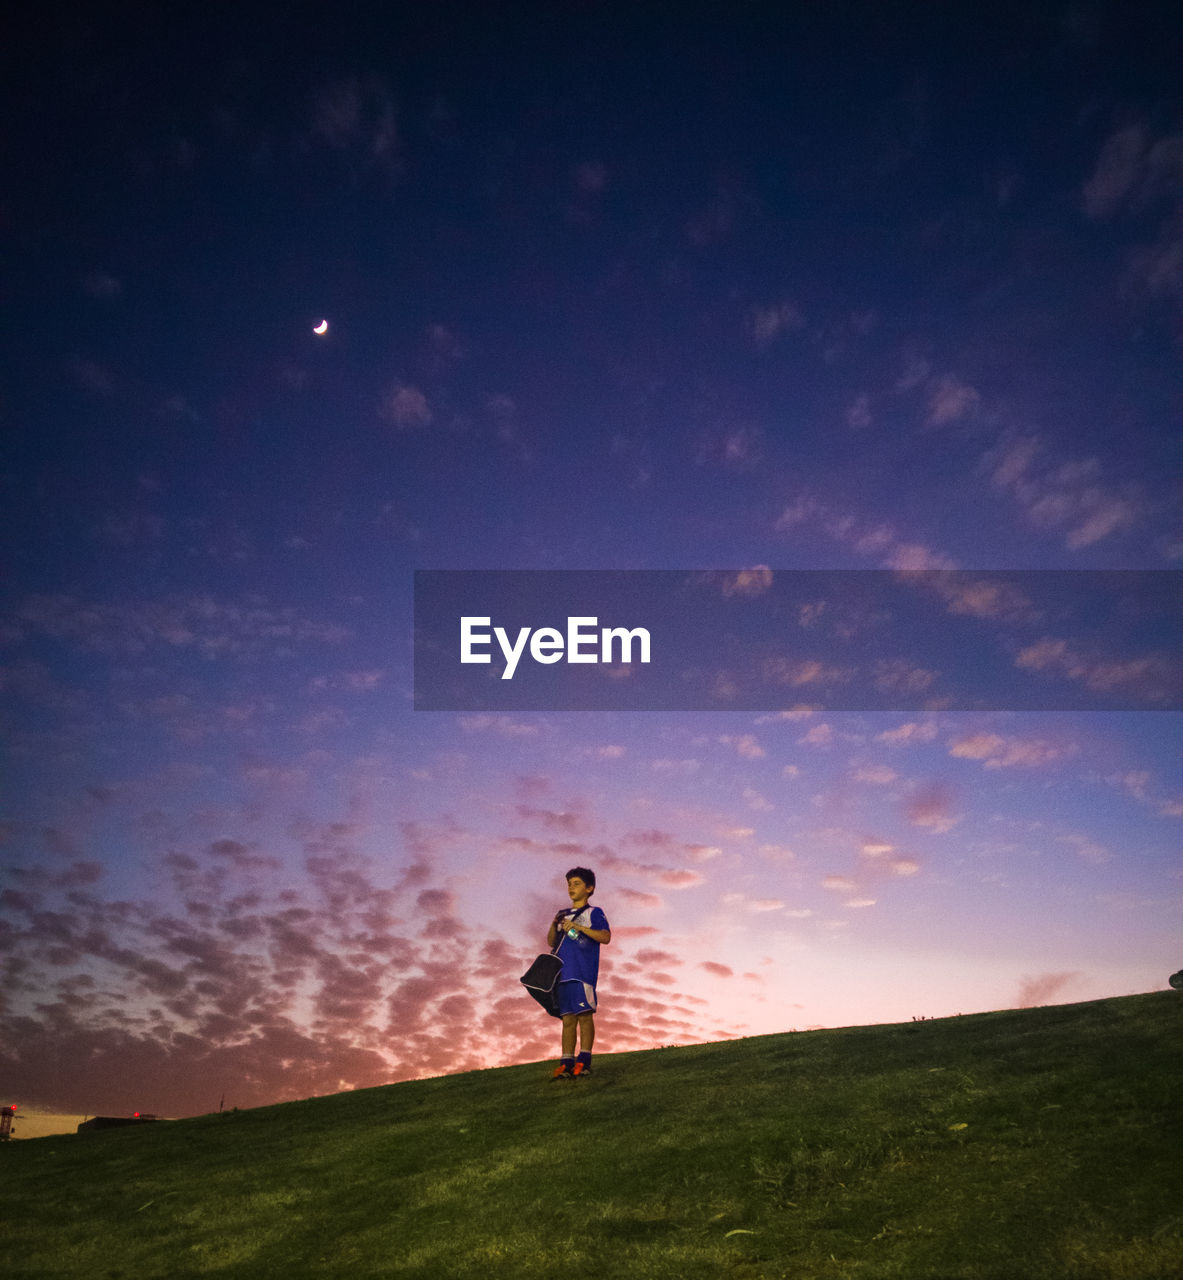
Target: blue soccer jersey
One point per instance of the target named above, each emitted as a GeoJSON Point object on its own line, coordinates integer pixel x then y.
{"type": "Point", "coordinates": [579, 954]}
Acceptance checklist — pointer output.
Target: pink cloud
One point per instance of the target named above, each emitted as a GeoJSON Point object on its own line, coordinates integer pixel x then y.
{"type": "Point", "coordinates": [680, 879]}
{"type": "Point", "coordinates": [932, 807]}
{"type": "Point", "coordinates": [1070, 497]}
{"type": "Point", "coordinates": [998, 752]}
{"type": "Point", "coordinates": [879, 774]}
{"type": "Point", "coordinates": [949, 400]}
{"type": "Point", "coordinates": [570, 821]}
{"type": "Point", "coordinates": [211, 993]}
{"type": "Point", "coordinates": [908, 733]}
{"type": "Point", "coordinates": [435, 902]}
{"type": "Point", "coordinates": [642, 901]}
{"type": "Point", "coordinates": [746, 582]}
{"type": "Point", "coordinates": [1153, 677]}
{"type": "Point", "coordinates": [652, 839]}
{"type": "Point", "coordinates": [1043, 988]}
{"type": "Point", "coordinates": [666, 877]}
{"type": "Point", "coordinates": [407, 407]}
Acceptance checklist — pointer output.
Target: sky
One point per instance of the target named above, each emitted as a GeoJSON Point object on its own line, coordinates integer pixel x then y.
{"type": "Point", "coordinates": [741, 291]}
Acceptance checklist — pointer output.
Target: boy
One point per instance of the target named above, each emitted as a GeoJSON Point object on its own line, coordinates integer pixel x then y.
{"type": "Point", "coordinates": [585, 930]}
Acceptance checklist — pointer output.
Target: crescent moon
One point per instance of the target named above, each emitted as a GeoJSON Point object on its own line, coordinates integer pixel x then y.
{"type": "Point", "coordinates": [321, 328]}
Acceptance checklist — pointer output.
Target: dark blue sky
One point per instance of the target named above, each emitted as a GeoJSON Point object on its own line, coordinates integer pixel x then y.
{"type": "Point", "coordinates": [754, 287]}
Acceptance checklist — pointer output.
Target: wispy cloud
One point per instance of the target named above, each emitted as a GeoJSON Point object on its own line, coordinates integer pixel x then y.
{"type": "Point", "coordinates": [757, 906]}
{"type": "Point", "coordinates": [570, 821]}
{"type": "Point", "coordinates": [503, 725]}
{"type": "Point", "coordinates": [864, 535]}
{"type": "Point", "coordinates": [998, 752]}
{"type": "Point", "coordinates": [949, 400]}
{"type": "Point", "coordinates": [1132, 171]}
{"type": "Point", "coordinates": [1152, 677]}
{"type": "Point", "coordinates": [902, 677]}
{"type": "Point", "coordinates": [357, 119]}
{"type": "Point", "coordinates": [877, 774]}
{"type": "Point", "coordinates": [1118, 171]}
{"type": "Point", "coordinates": [1069, 497]}
{"type": "Point", "coordinates": [859, 413]}
{"type": "Point", "coordinates": [406, 406]}
{"type": "Point", "coordinates": [802, 711]}
{"type": "Point", "coordinates": [746, 582]}
{"type": "Point", "coordinates": [1087, 849]}
{"type": "Point", "coordinates": [212, 995]}
{"type": "Point", "coordinates": [907, 734]}
{"type": "Point", "coordinates": [767, 323]}
{"type": "Point", "coordinates": [732, 448]}
{"type": "Point", "coordinates": [661, 875]}
{"type": "Point", "coordinates": [1044, 988]}
{"type": "Point", "coordinates": [932, 807]}
{"type": "Point", "coordinates": [211, 626]}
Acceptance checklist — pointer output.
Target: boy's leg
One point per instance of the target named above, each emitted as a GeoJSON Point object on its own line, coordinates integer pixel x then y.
{"type": "Point", "coordinates": [571, 1025]}
{"type": "Point", "coordinates": [587, 1035]}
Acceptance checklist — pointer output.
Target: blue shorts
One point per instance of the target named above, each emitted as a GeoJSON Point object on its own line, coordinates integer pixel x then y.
{"type": "Point", "coordinates": [576, 997]}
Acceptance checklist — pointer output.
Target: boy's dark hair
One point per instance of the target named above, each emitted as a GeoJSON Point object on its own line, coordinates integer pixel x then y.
{"type": "Point", "coordinates": [588, 877]}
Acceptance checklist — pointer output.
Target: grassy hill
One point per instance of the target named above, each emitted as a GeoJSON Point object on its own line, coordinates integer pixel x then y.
{"type": "Point", "coordinates": [1038, 1143]}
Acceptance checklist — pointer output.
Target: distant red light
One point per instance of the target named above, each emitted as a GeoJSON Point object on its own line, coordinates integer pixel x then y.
{"type": "Point", "coordinates": [135, 1115]}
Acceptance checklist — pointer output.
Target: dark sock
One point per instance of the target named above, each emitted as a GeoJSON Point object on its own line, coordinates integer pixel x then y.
{"type": "Point", "coordinates": [585, 1057]}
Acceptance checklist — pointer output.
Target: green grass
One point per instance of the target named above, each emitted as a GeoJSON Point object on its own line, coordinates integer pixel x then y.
{"type": "Point", "coordinates": [1038, 1144]}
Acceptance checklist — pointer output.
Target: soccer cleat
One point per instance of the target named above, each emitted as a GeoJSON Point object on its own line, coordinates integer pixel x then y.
{"type": "Point", "coordinates": [581, 1069]}
{"type": "Point", "coordinates": [563, 1072]}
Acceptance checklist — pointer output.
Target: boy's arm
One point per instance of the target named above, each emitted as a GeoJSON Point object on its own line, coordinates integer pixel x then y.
{"type": "Point", "coordinates": [602, 936]}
